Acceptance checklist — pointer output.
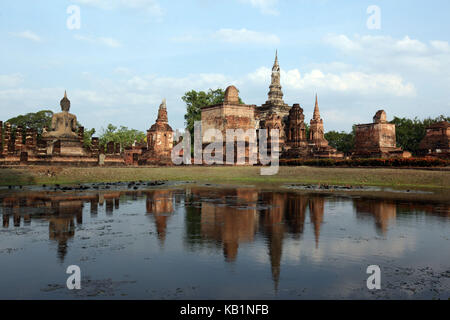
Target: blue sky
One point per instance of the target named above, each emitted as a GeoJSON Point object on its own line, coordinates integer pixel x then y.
{"type": "Point", "coordinates": [130, 54]}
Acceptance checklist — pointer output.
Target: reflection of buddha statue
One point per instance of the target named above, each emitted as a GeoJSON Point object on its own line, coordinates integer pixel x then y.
{"type": "Point", "coordinates": [64, 124]}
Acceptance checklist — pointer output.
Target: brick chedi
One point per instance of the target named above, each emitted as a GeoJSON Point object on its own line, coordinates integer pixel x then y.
{"type": "Point", "coordinates": [296, 145]}
{"type": "Point", "coordinates": [273, 114]}
{"type": "Point", "coordinates": [436, 141]}
{"type": "Point", "coordinates": [275, 101]}
{"type": "Point", "coordinates": [273, 122]}
{"type": "Point", "coordinates": [377, 139]}
{"type": "Point", "coordinates": [159, 140]}
{"type": "Point", "coordinates": [318, 145]}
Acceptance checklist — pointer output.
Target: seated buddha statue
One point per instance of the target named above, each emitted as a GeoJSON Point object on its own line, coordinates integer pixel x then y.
{"type": "Point", "coordinates": [64, 124]}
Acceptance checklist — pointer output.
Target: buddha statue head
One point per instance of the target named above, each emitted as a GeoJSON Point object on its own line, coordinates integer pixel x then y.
{"type": "Point", "coordinates": [65, 103]}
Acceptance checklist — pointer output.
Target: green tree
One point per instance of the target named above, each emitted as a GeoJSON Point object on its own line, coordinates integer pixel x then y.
{"type": "Point", "coordinates": [126, 137]}
{"type": "Point", "coordinates": [34, 120]}
{"type": "Point", "coordinates": [342, 141]}
{"type": "Point", "coordinates": [410, 132]}
{"type": "Point", "coordinates": [87, 137]}
{"type": "Point", "coordinates": [196, 100]}
{"type": "Point", "coordinates": [39, 120]}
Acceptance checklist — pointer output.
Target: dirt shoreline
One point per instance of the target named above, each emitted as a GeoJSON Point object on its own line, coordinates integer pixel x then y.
{"type": "Point", "coordinates": [75, 190]}
{"type": "Point", "coordinates": [397, 179]}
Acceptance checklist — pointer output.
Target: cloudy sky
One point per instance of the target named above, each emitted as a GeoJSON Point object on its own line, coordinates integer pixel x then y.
{"type": "Point", "coordinates": [128, 55]}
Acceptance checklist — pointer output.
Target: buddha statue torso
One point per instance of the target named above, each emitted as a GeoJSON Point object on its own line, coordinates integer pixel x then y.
{"type": "Point", "coordinates": [64, 124]}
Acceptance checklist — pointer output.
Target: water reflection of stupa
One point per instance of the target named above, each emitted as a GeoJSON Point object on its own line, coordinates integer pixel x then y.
{"type": "Point", "coordinates": [384, 212]}
{"type": "Point", "coordinates": [159, 205]}
{"type": "Point", "coordinates": [230, 220]}
{"type": "Point", "coordinates": [272, 225]}
{"type": "Point", "coordinates": [235, 216]}
{"type": "Point", "coordinates": [295, 214]}
{"type": "Point", "coordinates": [316, 211]}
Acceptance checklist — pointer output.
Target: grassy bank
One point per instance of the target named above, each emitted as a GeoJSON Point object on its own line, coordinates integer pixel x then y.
{"type": "Point", "coordinates": [398, 178]}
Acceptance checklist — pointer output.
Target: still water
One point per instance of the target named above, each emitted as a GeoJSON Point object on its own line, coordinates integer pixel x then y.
{"type": "Point", "coordinates": [212, 243]}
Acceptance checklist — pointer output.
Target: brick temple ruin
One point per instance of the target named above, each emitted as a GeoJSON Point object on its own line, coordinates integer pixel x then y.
{"type": "Point", "coordinates": [63, 143]}
{"type": "Point", "coordinates": [436, 142]}
{"type": "Point", "coordinates": [159, 140]}
{"type": "Point", "coordinates": [377, 139]}
{"type": "Point", "coordinates": [273, 114]}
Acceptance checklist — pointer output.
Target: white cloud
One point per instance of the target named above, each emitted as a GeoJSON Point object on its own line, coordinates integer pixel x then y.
{"type": "Point", "coordinates": [390, 53]}
{"type": "Point", "coordinates": [152, 7]}
{"type": "Point", "coordinates": [360, 82]}
{"type": "Point", "coordinates": [27, 35]}
{"type": "Point", "coordinates": [265, 6]}
{"type": "Point", "coordinates": [246, 36]}
{"type": "Point", "coordinates": [441, 46]}
{"type": "Point", "coordinates": [10, 80]}
{"type": "Point", "coordinates": [110, 42]}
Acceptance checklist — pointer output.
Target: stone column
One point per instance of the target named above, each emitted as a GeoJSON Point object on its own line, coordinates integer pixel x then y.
{"type": "Point", "coordinates": [117, 148]}
{"type": "Point", "coordinates": [34, 137]}
{"type": "Point", "coordinates": [1, 137]}
{"type": "Point", "coordinates": [6, 141]}
{"type": "Point", "coordinates": [81, 134]}
{"type": "Point", "coordinates": [18, 145]}
{"type": "Point", "coordinates": [95, 146]}
{"type": "Point", "coordinates": [29, 139]}
{"type": "Point", "coordinates": [110, 147]}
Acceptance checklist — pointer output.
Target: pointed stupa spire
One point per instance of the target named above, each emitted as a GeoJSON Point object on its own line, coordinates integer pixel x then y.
{"type": "Point", "coordinates": [275, 93]}
{"type": "Point", "coordinates": [316, 114]}
{"type": "Point", "coordinates": [65, 94]}
{"type": "Point", "coordinates": [162, 112]}
{"type": "Point", "coordinates": [276, 66]}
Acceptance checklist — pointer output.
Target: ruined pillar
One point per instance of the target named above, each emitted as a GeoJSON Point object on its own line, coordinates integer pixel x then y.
{"type": "Point", "coordinates": [95, 146]}
{"type": "Point", "coordinates": [110, 147]}
{"type": "Point", "coordinates": [18, 145]}
{"type": "Point", "coordinates": [7, 138]}
{"type": "Point", "coordinates": [31, 139]}
{"type": "Point", "coordinates": [81, 134]}
{"type": "Point", "coordinates": [117, 148]}
{"type": "Point", "coordinates": [1, 137]}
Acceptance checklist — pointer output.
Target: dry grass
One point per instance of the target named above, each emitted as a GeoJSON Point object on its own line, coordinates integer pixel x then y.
{"type": "Point", "coordinates": [411, 178]}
